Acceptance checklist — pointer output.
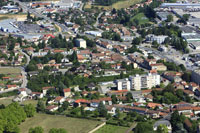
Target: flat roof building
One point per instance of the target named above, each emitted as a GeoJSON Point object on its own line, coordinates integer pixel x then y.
{"type": "Point", "coordinates": [7, 25]}
{"type": "Point", "coordinates": [162, 15]}
{"type": "Point", "coordinates": [81, 43]}
{"type": "Point", "coordinates": [180, 5]}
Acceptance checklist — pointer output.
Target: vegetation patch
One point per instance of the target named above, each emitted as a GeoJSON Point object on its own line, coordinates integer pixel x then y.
{"type": "Point", "coordinates": [9, 70]}
{"type": "Point", "coordinates": [140, 19]}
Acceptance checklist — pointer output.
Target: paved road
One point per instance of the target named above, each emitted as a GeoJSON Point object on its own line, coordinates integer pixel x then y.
{"type": "Point", "coordinates": [97, 21]}
{"type": "Point", "coordinates": [23, 72]}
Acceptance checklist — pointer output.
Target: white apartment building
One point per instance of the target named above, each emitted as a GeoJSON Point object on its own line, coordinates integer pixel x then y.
{"type": "Point", "coordinates": [159, 39]}
{"type": "Point", "coordinates": [81, 43]}
{"type": "Point", "coordinates": [139, 82]}
{"type": "Point", "coordinates": [123, 84]}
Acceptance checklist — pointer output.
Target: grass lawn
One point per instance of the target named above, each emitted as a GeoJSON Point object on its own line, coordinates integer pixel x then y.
{"type": "Point", "coordinates": [141, 18]}
{"type": "Point", "coordinates": [6, 100]}
{"type": "Point", "coordinates": [9, 70]}
{"type": "Point", "coordinates": [72, 125]}
{"type": "Point", "coordinates": [30, 101]}
{"type": "Point", "coordinates": [112, 129]}
{"type": "Point", "coordinates": [125, 4]}
{"type": "Point", "coordinates": [117, 5]}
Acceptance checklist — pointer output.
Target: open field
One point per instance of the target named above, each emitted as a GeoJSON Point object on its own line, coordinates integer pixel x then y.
{"type": "Point", "coordinates": [112, 129]}
{"type": "Point", "coordinates": [29, 101]}
{"type": "Point", "coordinates": [117, 5]}
{"type": "Point", "coordinates": [72, 125]}
{"type": "Point", "coordinates": [125, 4]}
{"type": "Point", "coordinates": [21, 16]}
{"type": "Point", "coordinates": [9, 70]}
{"type": "Point", "coordinates": [6, 100]}
{"type": "Point", "coordinates": [142, 19]}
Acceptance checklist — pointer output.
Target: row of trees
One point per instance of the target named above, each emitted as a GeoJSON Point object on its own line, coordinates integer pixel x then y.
{"type": "Point", "coordinates": [170, 96]}
{"type": "Point", "coordinates": [41, 130]}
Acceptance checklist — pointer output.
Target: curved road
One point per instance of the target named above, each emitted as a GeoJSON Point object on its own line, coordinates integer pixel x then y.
{"type": "Point", "coordinates": [23, 72]}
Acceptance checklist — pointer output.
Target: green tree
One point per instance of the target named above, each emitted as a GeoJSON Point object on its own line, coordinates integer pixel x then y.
{"type": "Point", "coordinates": [129, 96]}
{"type": "Point", "coordinates": [162, 129]}
{"type": "Point", "coordinates": [36, 130]}
{"type": "Point", "coordinates": [186, 76]}
{"type": "Point", "coordinates": [40, 106]}
{"type": "Point", "coordinates": [102, 109]}
{"type": "Point", "coordinates": [143, 127]}
{"type": "Point", "coordinates": [169, 18]}
{"type": "Point", "coordinates": [136, 41]}
{"type": "Point", "coordinates": [30, 110]}
{"type": "Point", "coordinates": [114, 99]}
{"type": "Point", "coordinates": [57, 130]}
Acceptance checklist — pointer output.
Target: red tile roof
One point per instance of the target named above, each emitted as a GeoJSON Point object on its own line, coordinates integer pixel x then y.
{"type": "Point", "coordinates": [51, 107]}
{"type": "Point", "coordinates": [46, 88]}
{"type": "Point", "coordinates": [10, 86]}
{"type": "Point", "coordinates": [67, 90]}
{"type": "Point", "coordinates": [58, 98]}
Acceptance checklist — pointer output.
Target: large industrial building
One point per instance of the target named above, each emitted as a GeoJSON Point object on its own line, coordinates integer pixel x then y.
{"type": "Point", "coordinates": [7, 25]}
{"type": "Point", "coordinates": [180, 5]}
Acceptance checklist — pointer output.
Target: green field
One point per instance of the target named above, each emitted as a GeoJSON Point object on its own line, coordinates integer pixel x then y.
{"type": "Point", "coordinates": [112, 129]}
{"type": "Point", "coordinates": [117, 5]}
{"type": "Point", "coordinates": [72, 125]}
{"type": "Point", "coordinates": [142, 19]}
{"type": "Point", "coordinates": [9, 70]}
{"type": "Point", "coordinates": [6, 100]}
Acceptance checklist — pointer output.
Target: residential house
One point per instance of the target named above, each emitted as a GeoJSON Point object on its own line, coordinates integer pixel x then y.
{"type": "Point", "coordinates": [111, 110]}
{"type": "Point", "coordinates": [67, 92]}
{"type": "Point", "coordinates": [52, 108]}
{"type": "Point", "coordinates": [80, 102]}
{"type": "Point", "coordinates": [193, 86]}
{"type": "Point", "coordinates": [59, 100]}
{"type": "Point", "coordinates": [45, 89]}
{"type": "Point", "coordinates": [154, 105]}
{"type": "Point", "coordinates": [189, 93]}
{"type": "Point", "coordinates": [196, 110]}
{"type": "Point", "coordinates": [11, 87]}
{"type": "Point", "coordinates": [37, 95]}
{"type": "Point", "coordinates": [158, 67]}
{"type": "Point", "coordinates": [173, 76]}
{"type": "Point", "coordinates": [153, 114]}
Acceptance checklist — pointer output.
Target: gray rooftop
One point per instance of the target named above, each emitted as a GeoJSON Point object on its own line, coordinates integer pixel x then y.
{"type": "Point", "coordinates": [8, 26]}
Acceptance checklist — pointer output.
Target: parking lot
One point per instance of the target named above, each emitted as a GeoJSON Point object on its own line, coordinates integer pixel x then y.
{"type": "Point", "coordinates": [28, 28]}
